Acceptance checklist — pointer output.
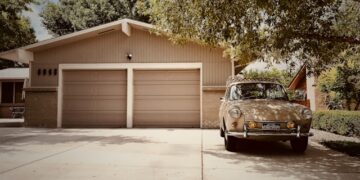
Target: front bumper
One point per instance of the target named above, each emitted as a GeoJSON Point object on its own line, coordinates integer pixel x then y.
{"type": "Point", "coordinates": [246, 134]}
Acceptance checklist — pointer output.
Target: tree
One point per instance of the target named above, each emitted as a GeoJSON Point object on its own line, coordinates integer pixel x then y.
{"type": "Point", "coordinates": [280, 30]}
{"type": "Point", "coordinates": [68, 16]}
{"type": "Point", "coordinates": [15, 29]}
{"type": "Point", "coordinates": [283, 76]}
{"type": "Point", "coordinates": [342, 83]}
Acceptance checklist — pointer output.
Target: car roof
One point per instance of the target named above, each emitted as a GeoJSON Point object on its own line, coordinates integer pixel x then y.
{"type": "Point", "coordinates": [240, 79]}
{"type": "Point", "coordinates": [251, 82]}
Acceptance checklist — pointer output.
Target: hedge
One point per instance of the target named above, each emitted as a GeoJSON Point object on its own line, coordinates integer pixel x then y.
{"type": "Point", "coordinates": [345, 123]}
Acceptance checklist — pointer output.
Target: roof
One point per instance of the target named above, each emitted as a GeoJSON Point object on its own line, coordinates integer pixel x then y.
{"type": "Point", "coordinates": [25, 54]}
{"type": "Point", "coordinates": [14, 73]}
{"type": "Point", "coordinates": [300, 75]}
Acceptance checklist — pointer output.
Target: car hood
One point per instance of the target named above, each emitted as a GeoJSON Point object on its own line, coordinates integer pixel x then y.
{"type": "Point", "coordinates": [269, 110]}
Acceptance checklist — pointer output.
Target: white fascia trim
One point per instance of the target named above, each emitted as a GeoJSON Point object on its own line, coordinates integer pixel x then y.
{"type": "Point", "coordinates": [99, 28]}
{"type": "Point", "coordinates": [114, 66]}
{"type": "Point", "coordinates": [125, 28]}
{"type": "Point", "coordinates": [74, 34]}
{"type": "Point", "coordinates": [130, 67]}
{"type": "Point", "coordinates": [130, 98]}
{"type": "Point", "coordinates": [18, 55]}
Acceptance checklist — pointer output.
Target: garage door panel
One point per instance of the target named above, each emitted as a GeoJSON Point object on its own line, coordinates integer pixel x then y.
{"type": "Point", "coordinates": [167, 90]}
{"type": "Point", "coordinates": [167, 98]}
{"type": "Point", "coordinates": [167, 104]}
{"type": "Point", "coordinates": [122, 97]}
{"type": "Point", "coordinates": [95, 104]}
{"type": "Point", "coordinates": [173, 118]}
{"type": "Point", "coordinates": [95, 89]}
{"type": "Point", "coordinates": [94, 76]}
{"type": "Point", "coordinates": [94, 119]}
{"type": "Point", "coordinates": [173, 97]}
{"type": "Point", "coordinates": [167, 82]}
{"type": "Point", "coordinates": [94, 98]}
{"type": "Point", "coordinates": [161, 75]}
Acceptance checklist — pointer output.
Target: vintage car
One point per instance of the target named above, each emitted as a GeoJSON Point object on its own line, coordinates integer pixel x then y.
{"type": "Point", "coordinates": [259, 109]}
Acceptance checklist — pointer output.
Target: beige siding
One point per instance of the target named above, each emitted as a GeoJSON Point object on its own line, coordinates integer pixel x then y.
{"type": "Point", "coordinates": [167, 98]}
{"type": "Point", "coordinates": [94, 98]}
{"type": "Point", "coordinates": [211, 104]}
{"type": "Point", "coordinates": [41, 79]}
{"type": "Point", "coordinates": [145, 48]}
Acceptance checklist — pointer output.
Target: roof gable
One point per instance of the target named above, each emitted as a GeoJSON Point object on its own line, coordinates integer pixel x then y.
{"type": "Point", "coordinates": [24, 54]}
{"type": "Point", "coordinates": [298, 77]}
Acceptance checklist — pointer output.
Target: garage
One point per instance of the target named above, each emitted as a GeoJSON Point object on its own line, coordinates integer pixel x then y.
{"type": "Point", "coordinates": [166, 98]}
{"type": "Point", "coordinates": [120, 74]}
{"type": "Point", "coordinates": [94, 98]}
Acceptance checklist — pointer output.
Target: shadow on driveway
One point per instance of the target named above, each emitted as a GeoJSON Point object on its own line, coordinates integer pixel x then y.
{"type": "Point", "coordinates": [278, 159]}
{"type": "Point", "coordinates": [13, 142]}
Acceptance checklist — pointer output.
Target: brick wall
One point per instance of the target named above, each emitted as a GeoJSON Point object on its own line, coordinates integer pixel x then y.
{"type": "Point", "coordinates": [41, 108]}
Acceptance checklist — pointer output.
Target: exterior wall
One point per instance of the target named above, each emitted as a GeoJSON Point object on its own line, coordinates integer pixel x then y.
{"type": "Point", "coordinates": [41, 108]}
{"type": "Point", "coordinates": [310, 91]}
{"type": "Point", "coordinates": [320, 99]}
{"type": "Point", "coordinates": [316, 97]}
{"type": "Point", "coordinates": [302, 84]}
{"type": "Point", "coordinates": [5, 111]}
{"type": "Point", "coordinates": [211, 104]}
{"type": "Point", "coordinates": [113, 47]}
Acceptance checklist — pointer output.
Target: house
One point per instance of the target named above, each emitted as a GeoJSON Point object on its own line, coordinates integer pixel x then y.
{"type": "Point", "coordinates": [11, 89]}
{"type": "Point", "coordinates": [305, 86]}
{"type": "Point", "coordinates": [121, 74]}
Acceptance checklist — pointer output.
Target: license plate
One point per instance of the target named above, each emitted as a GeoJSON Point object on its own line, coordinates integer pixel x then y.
{"type": "Point", "coordinates": [271, 126]}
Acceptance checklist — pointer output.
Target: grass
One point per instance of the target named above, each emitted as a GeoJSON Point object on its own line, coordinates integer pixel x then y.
{"type": "Point", "coordinates": [347, 147]}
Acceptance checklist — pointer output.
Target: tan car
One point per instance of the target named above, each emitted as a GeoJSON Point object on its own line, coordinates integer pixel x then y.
{"type": "Point", "coordinates": [260, 109]}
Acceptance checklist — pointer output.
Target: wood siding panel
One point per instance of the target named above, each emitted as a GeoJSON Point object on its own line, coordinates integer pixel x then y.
{"type": "Point", "coordinates": [145, 47]}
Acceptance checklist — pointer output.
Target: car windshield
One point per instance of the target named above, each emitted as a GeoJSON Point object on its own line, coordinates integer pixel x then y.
{"type": "Point", "coordinates": [257, 91]}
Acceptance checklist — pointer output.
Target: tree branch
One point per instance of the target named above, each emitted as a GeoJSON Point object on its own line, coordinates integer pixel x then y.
{"type": "Point", "coordinates": [340, 39]}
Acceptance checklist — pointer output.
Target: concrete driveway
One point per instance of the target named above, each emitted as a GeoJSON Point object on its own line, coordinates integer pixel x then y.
{"type": "Point", "coordinates": [37, 154]}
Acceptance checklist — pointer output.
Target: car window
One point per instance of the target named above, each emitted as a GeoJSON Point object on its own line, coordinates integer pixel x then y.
{"type": "Point", "coordinates": [275, 91]}
{"type": "Point", "coordinates": [257, 91]}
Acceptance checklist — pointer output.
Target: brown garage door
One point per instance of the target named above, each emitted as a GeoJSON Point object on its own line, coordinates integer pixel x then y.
{"type": "Point", "coordinates": [94, 98]}
{"type": "Point", "coordinates": [167, 98]}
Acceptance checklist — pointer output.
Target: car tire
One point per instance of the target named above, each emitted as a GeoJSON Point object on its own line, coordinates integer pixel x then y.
{"type": "Point", "coordinates": [299, 145]}
{"type": "Point", "coordinates": [222, 133]}
{"type": "Point", "coordinates": [230, 143]}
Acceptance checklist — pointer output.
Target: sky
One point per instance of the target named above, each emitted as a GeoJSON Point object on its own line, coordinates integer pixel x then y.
{"type": "Point", "coordinates": [42, 34]}
{"type": "Point", "coordinates": [35, 21]}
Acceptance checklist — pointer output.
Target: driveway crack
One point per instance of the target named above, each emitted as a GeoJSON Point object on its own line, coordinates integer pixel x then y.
{"type": "Point", "coordinates": [202, 154]}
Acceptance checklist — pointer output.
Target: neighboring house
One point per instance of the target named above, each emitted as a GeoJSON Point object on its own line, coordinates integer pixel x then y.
{"type": "Point", "coordinates": [306, 88]}
{"type": "Point", "coordinates": [121, 75]}
{"type": "Point", "coordinates": [11, 89]}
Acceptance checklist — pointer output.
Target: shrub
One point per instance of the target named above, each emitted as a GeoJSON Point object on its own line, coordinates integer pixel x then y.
{"type": "Point", "coordinates": [348, 147]}
{"type": "Point", "coordinates": [345, 123]}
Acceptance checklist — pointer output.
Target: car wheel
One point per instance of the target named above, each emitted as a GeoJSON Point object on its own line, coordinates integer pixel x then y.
{"type": "Point", "coordinates": [230, 143]}
{"type": "Point", "coordinates": [222, 134]}
{"type": "Point", "coordinates": [299, 145]}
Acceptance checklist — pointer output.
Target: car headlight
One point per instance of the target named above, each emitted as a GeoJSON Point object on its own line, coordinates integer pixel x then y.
{"type": "Point", "coordinates": [306, 113]}
{"type": "Point", "coordinates": [235, 113]}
